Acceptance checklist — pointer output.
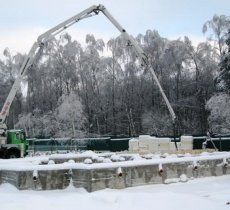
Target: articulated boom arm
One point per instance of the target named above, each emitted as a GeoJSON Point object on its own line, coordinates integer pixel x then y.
{"type": "Point", "coordinates": [26, 64]}
{"type": "Point", "coordinates": [35, 52]}
{"type": "Point", "coordinates": [142, 56]}
{"type": "Point", "coordinates": [37, 48]}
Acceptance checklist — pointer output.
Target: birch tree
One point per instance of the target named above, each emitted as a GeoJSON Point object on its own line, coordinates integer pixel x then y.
{"type": "Point", "coordinates": [218, 25]}
{"type": "Point", "coordinates": [70, 117]}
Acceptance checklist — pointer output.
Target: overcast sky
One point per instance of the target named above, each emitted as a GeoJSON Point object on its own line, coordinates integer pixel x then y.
{"type": "Point", "coordinates": [21, 21]}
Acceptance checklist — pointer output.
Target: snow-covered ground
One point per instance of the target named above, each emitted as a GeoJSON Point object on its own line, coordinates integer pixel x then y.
{"type": "Point", "coordinates": [211, 193]}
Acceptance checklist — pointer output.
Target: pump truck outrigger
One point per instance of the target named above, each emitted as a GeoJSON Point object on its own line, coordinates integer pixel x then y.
{"type": "Point", "coordinates": [13, 142]}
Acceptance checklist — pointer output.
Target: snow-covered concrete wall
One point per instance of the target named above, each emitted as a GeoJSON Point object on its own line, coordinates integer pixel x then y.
{"type": "Point", "coordinates": [37, 180]}
{"type": "Point", "coordinates": [124, 171]}
{"type": "Point", "coordinates": [130, 176]}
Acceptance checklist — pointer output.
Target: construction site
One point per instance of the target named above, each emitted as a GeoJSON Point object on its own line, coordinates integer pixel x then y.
{"type": "Point", "coordinates": [106, 161]}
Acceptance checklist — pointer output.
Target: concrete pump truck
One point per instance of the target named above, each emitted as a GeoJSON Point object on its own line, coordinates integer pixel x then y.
{"type": "Point", "coordinates": [13, 142]}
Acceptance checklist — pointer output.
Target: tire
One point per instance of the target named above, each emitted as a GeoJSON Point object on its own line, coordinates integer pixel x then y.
{"type": "Point", "coordinates": [13, 153]}
{"type": "Point", "coordinates": [2, 154]}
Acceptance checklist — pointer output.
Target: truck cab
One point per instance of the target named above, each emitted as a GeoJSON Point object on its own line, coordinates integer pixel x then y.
{"type": "Point", "coordinates": [16, 145]}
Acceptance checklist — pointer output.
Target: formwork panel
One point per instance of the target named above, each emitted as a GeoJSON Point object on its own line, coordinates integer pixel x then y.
{"type": "Point", "coordinates": [81, 179]}
{"type": "Point", "coordinates": [53, 179]}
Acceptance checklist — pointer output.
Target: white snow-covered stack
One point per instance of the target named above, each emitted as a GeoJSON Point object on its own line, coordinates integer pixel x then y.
{"type": "Point", "coordinates": [148, 144]}
{"type": "Point", "coordinates": [172, 146]}
{"type": "Point", "coordinates": [186, 143]}
{"type": "Point", "coordinates": [133, 145]}
{"type": "Point", "coordinates": [144, 141]}
{"type": "Point", "coordinates": [151, 144]}
{"type": "Point", "coordinates": [163, 144]}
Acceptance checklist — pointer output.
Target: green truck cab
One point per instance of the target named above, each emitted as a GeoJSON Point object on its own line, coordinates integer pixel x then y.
{"type": "Point", "coordinates": [14, 145]}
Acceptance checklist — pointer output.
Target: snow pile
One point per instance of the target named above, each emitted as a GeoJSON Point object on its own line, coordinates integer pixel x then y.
{"type": "Point", "coordinates": [88, 161]}
{"type": "Point", "coordinates": [51, 162]}
{"type": "Point", "coordinates": [182, 178]}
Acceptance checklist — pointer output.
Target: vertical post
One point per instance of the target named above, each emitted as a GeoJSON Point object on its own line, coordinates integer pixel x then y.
{"type": "Point", "coordinates": [22, 150]}
{"type": "Point", "coordinates": [220, 140]}
{"type": "Point", "coordinates": [174, 134]}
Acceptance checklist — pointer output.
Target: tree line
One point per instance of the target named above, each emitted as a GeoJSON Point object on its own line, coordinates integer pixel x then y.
{"type": "Point", "coordinates": [103, 89]}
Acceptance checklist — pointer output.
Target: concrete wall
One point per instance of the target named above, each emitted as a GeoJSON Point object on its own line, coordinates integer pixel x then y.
{"type": "Point", "coordinates": [98, 179]}
{"type": "Point", "coordinates": [43, 180]}
{"type": "Point", "coordinates": [94, 178]}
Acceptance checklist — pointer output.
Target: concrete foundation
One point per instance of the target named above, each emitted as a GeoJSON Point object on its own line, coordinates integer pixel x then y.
{"type": "Point", "coordinates": [97, 179]}
{"type": "Point", "coordinates": [117, 175]}
{"type": "Point", "coordinates": [43, 180]}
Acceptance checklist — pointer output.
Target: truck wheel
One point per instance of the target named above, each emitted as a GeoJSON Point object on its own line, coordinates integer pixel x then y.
{"type": "Point", "coordinates": [13, 154]}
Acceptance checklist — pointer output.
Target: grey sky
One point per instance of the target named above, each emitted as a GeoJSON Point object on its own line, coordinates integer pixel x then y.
{"type": "Point", "coordinates": [23, 20]}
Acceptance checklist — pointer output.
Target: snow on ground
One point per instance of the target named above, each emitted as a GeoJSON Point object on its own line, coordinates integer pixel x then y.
{"type": "Point", "coordinates": [211, 193]}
